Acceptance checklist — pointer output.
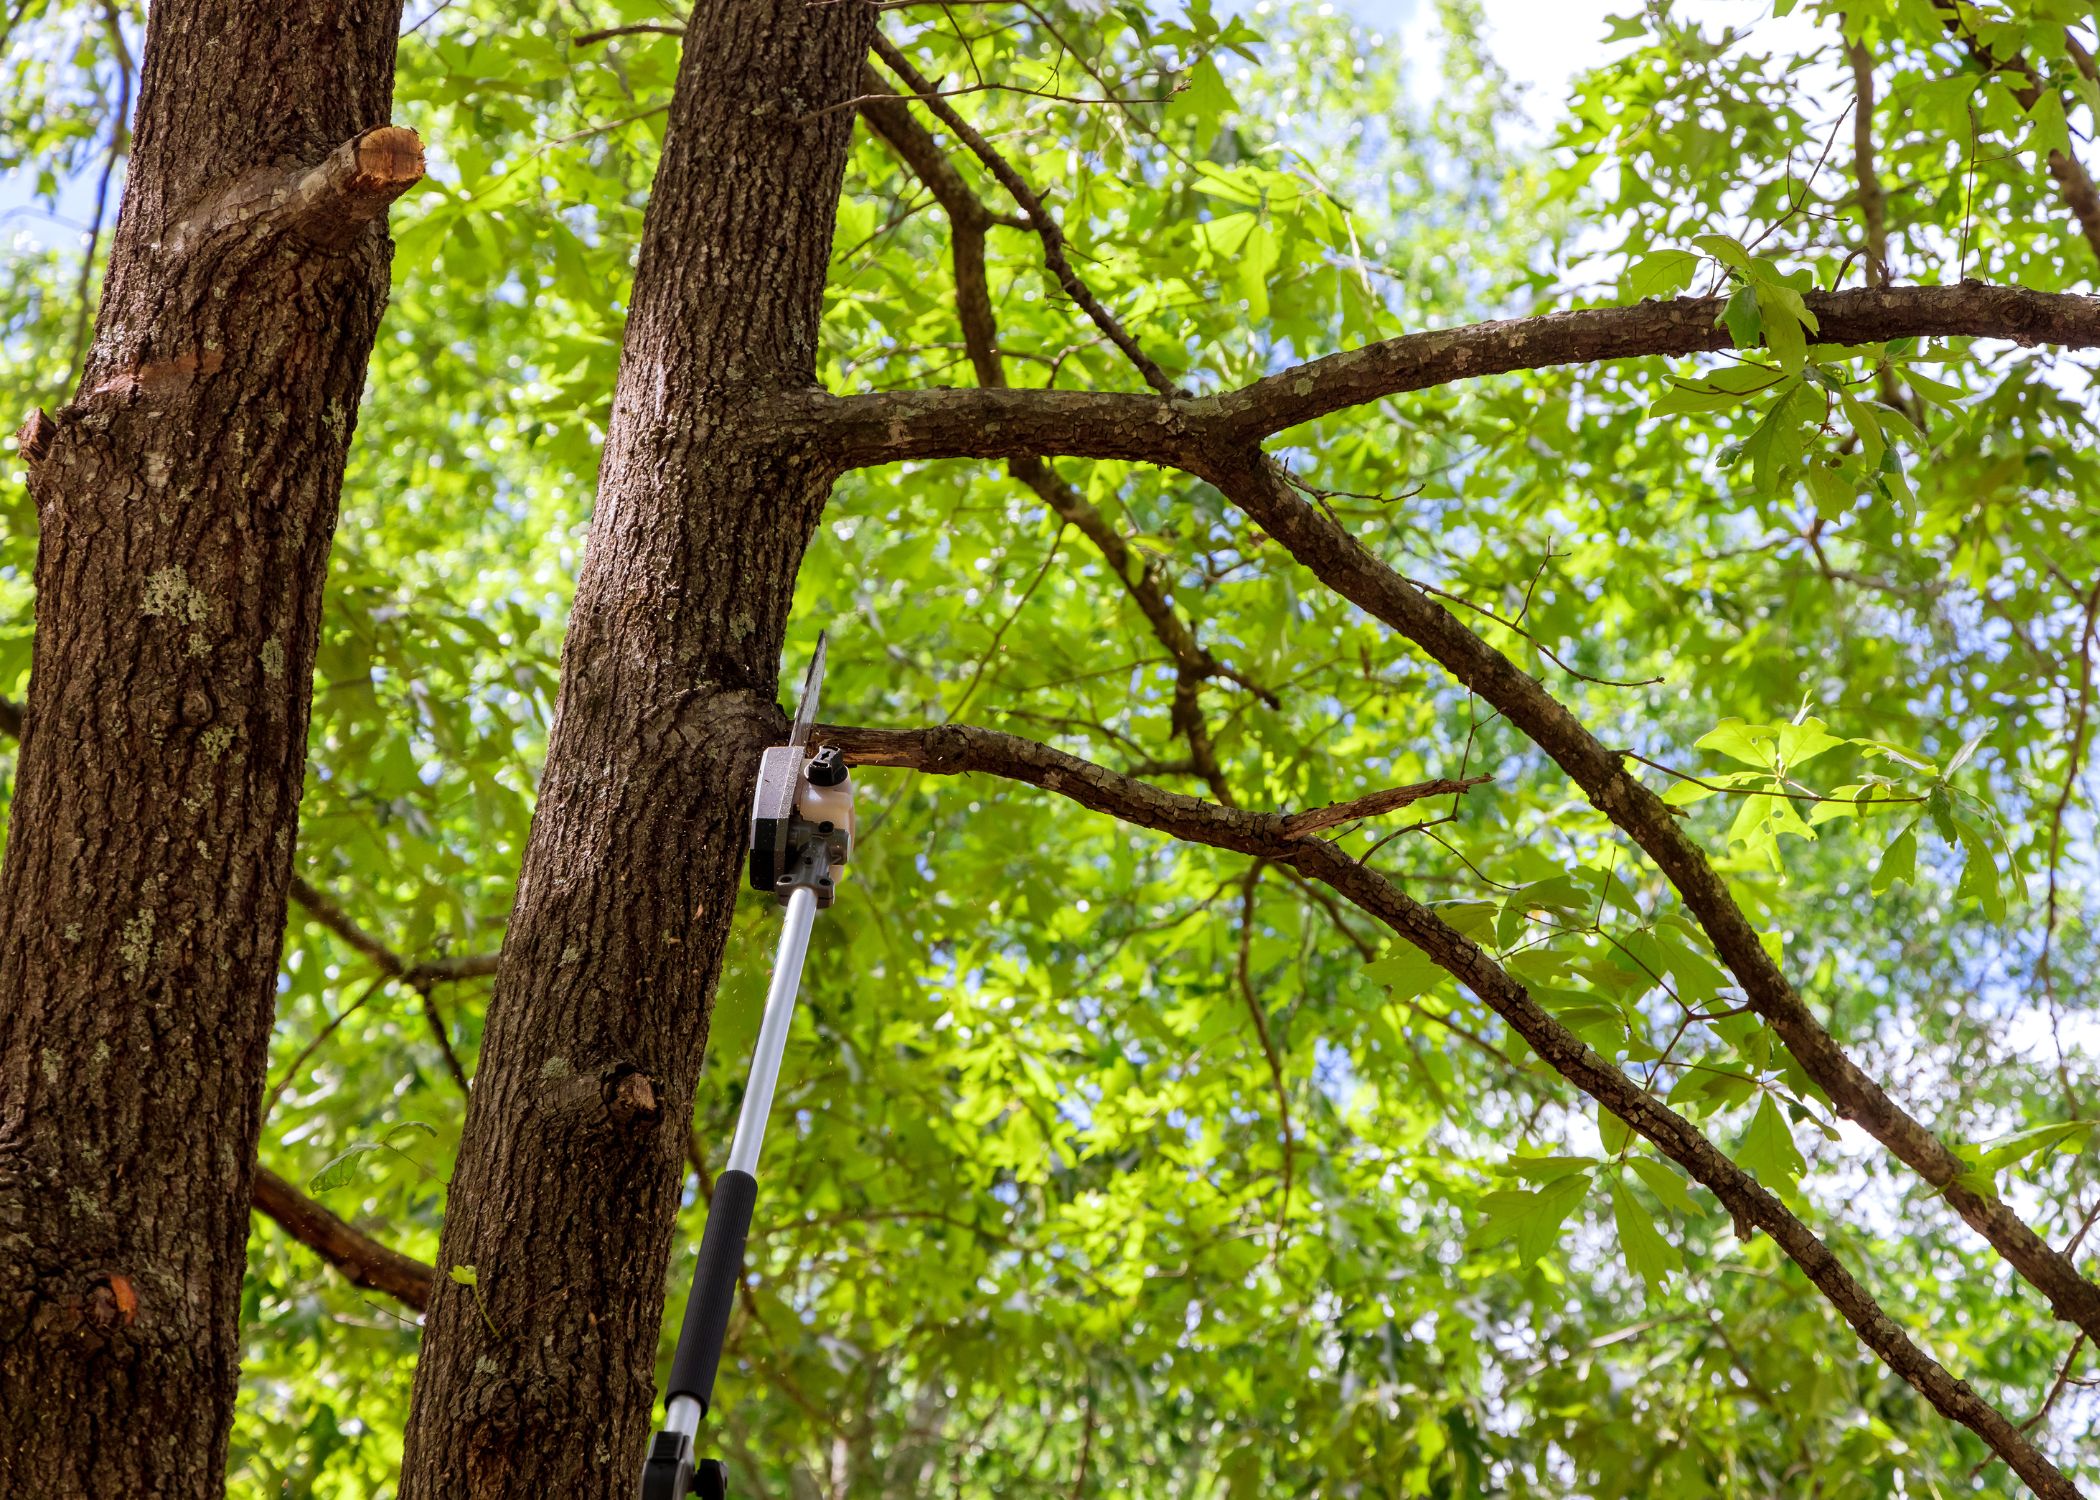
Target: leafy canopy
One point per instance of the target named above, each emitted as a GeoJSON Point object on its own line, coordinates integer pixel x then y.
{"type": "Point", "coordinates": [1104, 1162]}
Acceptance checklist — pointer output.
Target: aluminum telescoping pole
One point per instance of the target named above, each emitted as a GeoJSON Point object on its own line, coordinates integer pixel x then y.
{"type": "Point", "coordinates": [721, 1263]}
{"type": "Point", "coordinates": [773, 1031]}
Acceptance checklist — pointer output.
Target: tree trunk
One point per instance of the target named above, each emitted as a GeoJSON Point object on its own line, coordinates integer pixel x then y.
{"type": "Point", "coordinates": [539, 1380]}
{"type": "Point", "coordinates": [186, 501]}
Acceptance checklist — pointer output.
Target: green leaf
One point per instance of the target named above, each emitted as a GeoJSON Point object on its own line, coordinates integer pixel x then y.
{"type": "Point", "coordinates": [1664, 1183]}
{"type": "Point", "coordinates": [1405, 970]}
{"type": "Point", "coordinates": [1744, 322]}
{"type": "Point", "coordinates": [1883, 749]}
{"type": "Point", "coordinates": [1616, 1134]}
{"type": "Point", "coordinates": [1768, 1151]}
{"type": "Point", "coordinates": [1866, 422]}
{"type": "Point", "coordinates": [1783, 333]}
{"type": "Point", "coordinates": [1469, 919]}
{"type": "Point", "coordinates": [1741, 741]}
{"type": "Point", "coordinates": [1258, 255]}
{"type": "Point", "coordinates": [1939, 392]}
{"type": "Point", "coordinates": [1531, 1219]}
{"type": "Point", "coordinates": [2017, 1148]}
{"type": "Point", "coordinates": [342, 1169]}
{"type": "Point", "coordinates": [1205, 103]}
{"type": "Point", "coordinates": [1802, 741]}
{"type": "Point", "coordinates": [1660, 273]}
{"type": "Point", "coordinates": [1979, 875]}
{"type": "Point", "coordinates": [466, 1276]}
{"type": "Point", "coordinates": [1726, 249]}
{"type": "Point", "coordinates": [1648, 1255]}
{"type": "Point", "coordinates": [1830, 490]}
{"type": "Point", "coordinates": [2051, 132]}
{"type": "Point", "coordinates": [1898, 862]}
{"type": "Point", "coordinates": [1939, 806]}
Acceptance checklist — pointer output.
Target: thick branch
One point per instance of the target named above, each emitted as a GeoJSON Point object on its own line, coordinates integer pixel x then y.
{"type": "Point", "coordinates": [329, 204]}
{"type": "Point", "coordinates": [365, 1261]}
{"type": "Point", "coordinates": [1260, 489]}
{"type": "Point", "coordinates": [955, 749]}
{"type": "Point", "coordinates": [1375, 804]}
{"type": "Point", "coordinates": [861, 431]}
{"type": "Point", "coordinates": [355, 184]}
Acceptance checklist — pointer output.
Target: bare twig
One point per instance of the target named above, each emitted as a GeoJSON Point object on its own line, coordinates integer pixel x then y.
{"type": "Point", "coordinates": [1260, 1018]}
{"type": "Point", "coordinates": [638, 28]}
{"type": "Point", "coordinates": [2074, 763]}
{"type": "Point", "coordinates": [421, 977]}
{"type": "Point", "coordinates": [292, 1068]}
{"type": "Point", "coordinates": [119, 139]}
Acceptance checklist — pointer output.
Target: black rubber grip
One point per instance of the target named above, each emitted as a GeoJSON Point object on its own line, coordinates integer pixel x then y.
{"type": "Point", "coordinates": [714, 1289]}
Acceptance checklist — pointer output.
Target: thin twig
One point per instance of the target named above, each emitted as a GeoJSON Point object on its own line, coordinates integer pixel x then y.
{"type": "Point", "coordinates": [999, 635]}
{"type": "Point", "coordinates": [1540, 646]}
{"type": "Point", "coordinates": [1268, 1050]}
{"type": "Point", "coordinates": [119, 138]}
{"type": "Point", "coordinates": [292, 1069]}
{"type": "Point", "coordinates": [638, 28]}
{"type": "Point", "coordinates": [1030, 204]}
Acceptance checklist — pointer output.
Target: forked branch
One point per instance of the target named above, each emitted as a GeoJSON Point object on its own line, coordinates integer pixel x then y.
{"type": "Point", "coordinates": [1339, 561]}
{"type": "Point", "coordinates": [956, 750]}
{"type": "Point", "coordinates": [1219, 439]}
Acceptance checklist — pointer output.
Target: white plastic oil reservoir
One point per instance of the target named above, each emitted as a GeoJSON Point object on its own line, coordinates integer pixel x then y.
{"type": "Point", "coordinates": [829, 804]}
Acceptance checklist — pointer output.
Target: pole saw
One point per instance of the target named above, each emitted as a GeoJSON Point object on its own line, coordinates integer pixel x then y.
{"type": "Point", "coordinates": [801, 838]}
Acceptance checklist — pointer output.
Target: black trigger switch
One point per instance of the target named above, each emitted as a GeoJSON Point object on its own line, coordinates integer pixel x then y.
{"type": "Point", "coordinates": [711, 1479]}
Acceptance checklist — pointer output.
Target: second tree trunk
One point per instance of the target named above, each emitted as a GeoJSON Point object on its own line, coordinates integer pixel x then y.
{"type": "Point", "coordinates": [540, 1379]}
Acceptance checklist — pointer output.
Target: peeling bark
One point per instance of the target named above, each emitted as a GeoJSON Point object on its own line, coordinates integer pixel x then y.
{"type": "Point", "coordinates": [186, 498]}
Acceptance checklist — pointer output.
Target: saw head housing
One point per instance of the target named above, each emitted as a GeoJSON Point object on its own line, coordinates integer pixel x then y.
{"type": "Point", "coordinates": [801, 822]}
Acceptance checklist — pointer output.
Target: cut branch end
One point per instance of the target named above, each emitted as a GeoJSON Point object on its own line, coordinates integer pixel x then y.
{"type": "Point", "coordinates": [356, 184]}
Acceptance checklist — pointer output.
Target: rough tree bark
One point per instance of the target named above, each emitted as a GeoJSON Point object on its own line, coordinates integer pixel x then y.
{"type": "Point", "coordinates": [186, 501]}
{"type": "Point", "coordinates": [568, 1173]}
